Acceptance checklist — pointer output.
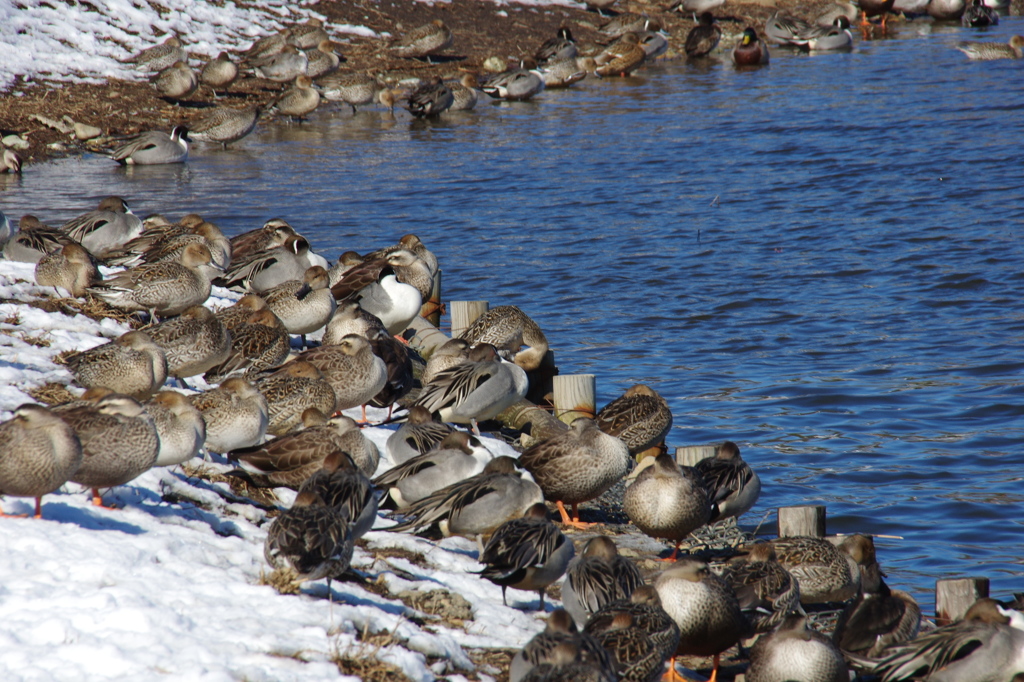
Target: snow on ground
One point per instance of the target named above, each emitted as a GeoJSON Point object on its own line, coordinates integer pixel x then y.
{"type": "Point", "coordinates": [64, 40]}
{"type": "Point", "coordinates": [169, 585]}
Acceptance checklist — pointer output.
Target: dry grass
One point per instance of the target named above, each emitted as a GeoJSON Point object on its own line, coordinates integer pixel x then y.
{"type": "Point", "coordinates": [92, 307]}
{"type": "Point", "coordinates": [52, 394]}
{"type": "Point", "coordinates": [262, 496]}
{"type": "Point", "coordinates": [281, 579]}
{"type": "Point", "coordinates": [491, 662]}
{"type": "Point", "coordinates": [451, 608]}
{"type": "Point", "coordinates": [415, 558]}
{"type": "Point", "coordinates": [361, 660]}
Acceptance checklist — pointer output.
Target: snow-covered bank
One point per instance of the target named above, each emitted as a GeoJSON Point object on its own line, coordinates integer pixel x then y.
{"type": "Point", "coordinates": [170, 585]}
{"type": "Point", "coordinates": [69, 41]}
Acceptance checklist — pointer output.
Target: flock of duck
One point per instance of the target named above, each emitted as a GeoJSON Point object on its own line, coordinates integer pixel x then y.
{"type": "Point", "coordinates": [274, 409]}
{"type": "Point", "coordinates": [307, 63]}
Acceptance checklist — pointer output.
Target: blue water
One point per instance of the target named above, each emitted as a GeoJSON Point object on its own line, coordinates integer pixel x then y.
{"type": "Point", "coordinates": [818, 260]}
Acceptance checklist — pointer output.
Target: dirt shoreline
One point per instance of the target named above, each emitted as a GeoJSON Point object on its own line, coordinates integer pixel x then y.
{"type": "Point", "coordinates": [120, 108]}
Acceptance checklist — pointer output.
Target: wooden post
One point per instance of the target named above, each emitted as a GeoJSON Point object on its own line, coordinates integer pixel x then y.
{"type": "Point", "coordinates": [806, 520]}
{"type": "Point", "coordinates": [427, 337]}
{"type": "Point", "coordinates": [431, 309]}
{"type": "Point", "coordinates": [689, 455]}
{"type": "Point", "coordinates": [464, 314]}
{"type": "Point", "coordinates": [954, 596]}
{"type": "Point", "coordinates": [575, 396]}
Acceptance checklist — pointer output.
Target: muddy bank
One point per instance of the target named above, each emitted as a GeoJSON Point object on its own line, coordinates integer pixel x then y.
{"type": "Point", "coordinates": [120, 108]}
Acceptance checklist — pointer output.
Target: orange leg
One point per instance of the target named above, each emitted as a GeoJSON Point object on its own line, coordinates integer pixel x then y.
{"type": "Point", "coordinates": [12, 516]}
{"type": "Point", "coordinates": [575, 521]}
{"type": "Point", "coordinates": [97, 500]}
{"type": "Point", "coordinates": [672, 675]}
{"type": "Point", "coordinates": [39, 507]}
{"type": "Point", "coordinates": [714, 670]}
{"type": "Point", "coordinates": [675, 553]}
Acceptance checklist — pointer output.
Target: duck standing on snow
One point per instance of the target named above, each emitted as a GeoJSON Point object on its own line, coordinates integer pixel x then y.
{"type": "Point", "coordinates": [40, 453]}
{"type": "Point", "coordinates": [527, 554]}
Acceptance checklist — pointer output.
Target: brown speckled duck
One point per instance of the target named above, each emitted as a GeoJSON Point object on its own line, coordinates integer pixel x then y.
{"type": "Point", "coordinates": [705, 609]}
{"type": "Point", "coordinates": [631, 643]}
{"type": "Point", "coordinates": [767, 592]}
{"type": "Point", "coordinates": [796, 652]}
{"type": "Point", "coordinates": [354, 372]}
{"type": "Point", "coordinates": [40, 453]}
{"type": "Point", "coordinates": [826, 573]}
{"type": "Point", "coordinates": [193, 342]}
{"type": "Point", "coordinates": [258, 344]}
{"type": "Point", "coordinates": [559, 644]}
{"type": "Point", "coordinates": [640, 418]}
{"type": "Point", "coordinates": [577, 466]}
{"type": "Point", "coordinates": [340, 484]}
{"type": "Point", "coordinates": [878, 618]}
{"type": "Point", "coordinates": [314, 540]}
{"type": "Point", "coordinates": [290, 391]}
{"type": "Point", "coordinates": [667, 501]}
{"type": "Point", "coordinates": [132, 362]}
{"type": "Point", "coordinates": [508, 328]}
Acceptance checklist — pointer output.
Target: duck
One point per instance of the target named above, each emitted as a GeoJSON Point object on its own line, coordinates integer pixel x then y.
{"type": "Point", "coordinates": [159, 57]}
{"type": "Point", "coordinates": [517, 85]}
{"type": "Point", "coordinates": [162, 289]}
{"type": "Point", "coordinates": [33, 240]}
{"type": "Point", "coordinates": [785, 29]}
{"type": "Point", "coordinates": [290, 391]}
{"type": "Point", "coordinates": [944, 10]}
{"type": "Point", "coordinates": [640, 418]}
{"type": "Point", "coordinates": [105, 229]}
{"type": "Point", "coordinates": [838, 37]}
{"type": "Point", "coordinates": [10, 162]}
{"type": "Point", "coordinates": [354, 89]}
{"type": "Point", "coordinates": [479, 388]}
{"type": "Point", "coordinates": [599, 576]}
{"type": "Point", "coordinates": [878, 618]}
{"type": "Point", "coordinates": [828, 16]}
{"type": "Point", "coordinates": [419, 434]}
{"type": "Point", "coordinates": [987, 51]}
{"type": "Point", "coordinates": [170, 248]}
{"type": "Point", "coordinates": [287, 461]}
{"type": "Point", "coordinates": [476, 506]}
{"type": "Point", "coordinates": [623, 57]}
{"type": "Point", "coordinates": [431, 99]}
{"type": "Point", "coordinates": [654, 43]}
{"type": "Point", "coordinates": [412, 244]}
{"type": "Point", "coordinates": [423, 41]}
{"type": "Point", "coordinates": [225, 125]}
{"type": "Point", "coordinates": [576, 466]}
{"type": "Point", "coordinates": [339, 483]}
{"type": "Point", "coordinates": [176, 82]}
{"type": "Point", "coordinates": [704, 37]}
{"type": "Point", "coordinates": [323, 60]}
{"type": "Point", "coordinates": [705, 609]}
{"type": "Point", "coordinates": [450, 353]}
{"type": "Point", "coordinates": [259, 344]}
{"type": "Point", "coordinates": [41, 452]}
{"type": "Point", "coordinates": [350, 318]}
{"type": "Point", "coordinates": [458, 457]}
{"type": "Point", "coordinates": [977, 15]}
{"type": "Point", "coordinates": [354, 372]}
{"type": "Point", "coordinates": [260, 270]}
{"type": "Point", "coordinates": [398, 363]}
{"type": "Point", "coordinates": [734, 487]}
{"type": "Point", "coordinates": [751, 50]}
{"type": "Point", "coordinates": [988, 644]}
{"type": "Point", "coordinates": [307, 35]}
{"type": "Point", "coordinates": [282, 67]}
{"type": "Point", "coordinates": [391, 288]}
{"type": "Point", "coordinates": [696, 7]}
{"type": "Point", "coordinates": [464, 97]}
{"type": "Point", "coordinates": [559, 47]}
{"type": "Point", "coordinates": [528, 553]}
{"type": "Point", "coordinates": [156, 233]}
{"type": "Point", "coordinates": [235, 413]}
{"type": "Point", "coordinates": [600, 6]}
{"type": "Point", "coordinates": [313, 540]}
{"type": "Point", "coordinates": [627, 22]}
{"type": "Point", "coordinates": [119, 441]}
{"type": "Point", "coordinates": [643, 640]}
{"type": "Point", "coordinates": [193, 342]}
{"type": "Point", "coordinates": [667, 501]}
{"type": "Point", "coordinates": [305, 305]}
{"type": "Point", "coordinates": [562, 73]}
{"type": "Point", "coordinates": [132, 362]}
{"type": "Point", "coordinates": [767, 592]}
{"type": "Point", "coordinates": [508, 328]}
{"type": "Point", "coordinates": [72, 269]}
{"type": "Point", "coordinates": [274, 232]}
{"type": "Point", "coordinates": [559, 644]}
{"type": "Point", "coordinates": [219, 72]}
{"type": "Point", "coordinates": [267, 46]}
{"type": "Point", "coordinates": [179, 425]}
{"type": "Point", "coordinates": [300, 100]}
{"type": "Point", "coordinates": [796, 652]}
{"type": "Point", "coordinates": [826, 573]}
{"type": "Point", "coordinates": [153, 148]}
{"type": "Point", "coordinates": [240, 311]}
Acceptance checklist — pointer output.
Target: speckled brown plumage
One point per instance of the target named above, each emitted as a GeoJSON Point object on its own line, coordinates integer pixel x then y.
{"type": "Point", "coordinates": [767, 592]}
{"type": "Point", "coordinates": [257, 345]}
{"type": "Point", "coordinates": [640, 418]}
{"type": "Point", "coordinates": [354, 372]}
{"type": "Point", "coordinates": [193, 342]}
{"type": "Point", "coordinates": [290, 391]}
{"type": "Point", "coordinates": [315, 541]}
{"type": "Point", "coordinates": [667, 501]}
{"type": "Point", "coordinates": [39, 452]}
{"type": "Point", "coordinates": [339, 483]}
{"type": "Point", "coordinates": [132, 362]}
{"type": "Point", "coordinates": [508, 328]}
